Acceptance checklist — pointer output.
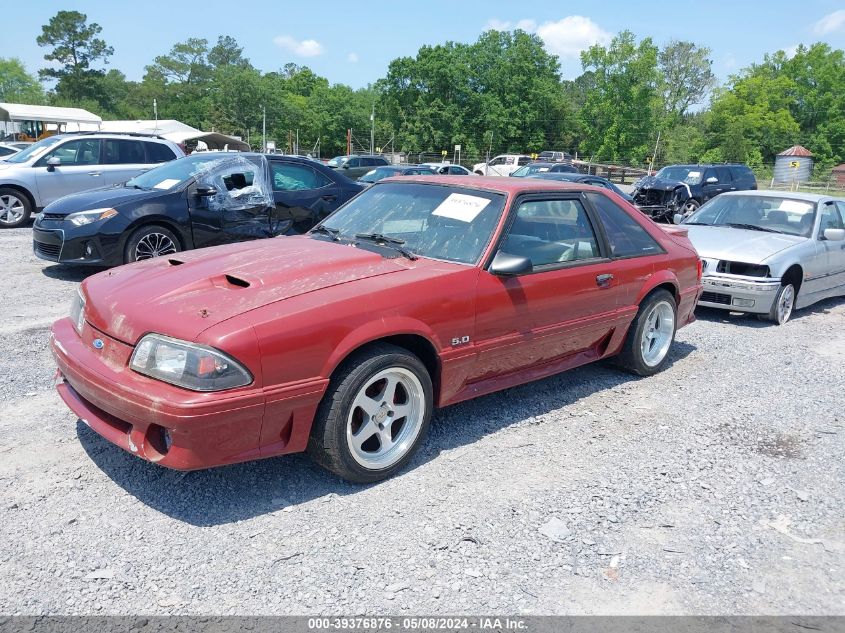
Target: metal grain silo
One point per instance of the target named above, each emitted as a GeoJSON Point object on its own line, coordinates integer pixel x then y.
{"type": "Point", "coordinates": [794, 165]}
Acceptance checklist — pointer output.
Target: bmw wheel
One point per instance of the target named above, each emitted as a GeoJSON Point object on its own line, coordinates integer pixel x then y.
{"type": "Point", "coordinates": [374, 415]}
{"type": "Point", "coordinates": [783, 305]}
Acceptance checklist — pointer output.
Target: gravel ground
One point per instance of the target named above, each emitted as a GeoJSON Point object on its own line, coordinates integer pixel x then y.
{"type": "Point", "coordinates": [715, 487]}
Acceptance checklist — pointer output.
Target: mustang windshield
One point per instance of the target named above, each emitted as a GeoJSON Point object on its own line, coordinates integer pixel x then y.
{"type": "Point", "coordinates": [689, 175]}
{"type": "Point", "coordinates": [764, 213]}
{"type": "Point", "coordinates": [436, 221]}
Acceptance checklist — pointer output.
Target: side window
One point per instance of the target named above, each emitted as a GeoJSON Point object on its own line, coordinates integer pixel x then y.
{"type": "Point", "coordinates": [552, 232]}
{"type": "Point", "coordinates": [292, 177]}
{"type": "Point", "coordinates": [723, 174]}
{"type": "Point", "coordinates": [159, 153]}
{"type": "Point", "coordinates": [456, 171]}
{"type": "Point", "coordinates": [831, 218]}
{"type": "Point", "coordinates": [627, 238]}
{"type": "Point", "coordinates": [354, 162]}
{"type": "Point", "coordinates": [524, 160]}
{"type": "Point", "coordinates": [77, 152]}
{"type": "Point", "coordinates": [122, 152]}
{"type": "Point", "coordinates": [497, 161]}
{"type": "Point", "coordinates": [380, 162]}
{"type": "Point", "coordinates": [709, 173]}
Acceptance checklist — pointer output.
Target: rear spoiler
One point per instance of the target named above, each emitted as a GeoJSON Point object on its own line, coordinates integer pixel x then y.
{"type": "Point", "coordinates": [674, 230]}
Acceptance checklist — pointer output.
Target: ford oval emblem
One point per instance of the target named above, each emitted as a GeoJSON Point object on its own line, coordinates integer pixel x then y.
{"type": "Point", "coordinates": [98, 343]}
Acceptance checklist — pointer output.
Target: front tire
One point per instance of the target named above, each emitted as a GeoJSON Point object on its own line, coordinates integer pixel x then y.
{"type": "Point", "coordinates": [650, 337]}
{"type": "Point", "coordinates": [373, 416]}
{"type": "Point", "coordinates": [150, 241]}
{"type": "Point", "coordinates": [783, 306]}
{"type": "Point", "coordinates": [689, 207]}
{"type": "Point", "coordinates": [15, 208]}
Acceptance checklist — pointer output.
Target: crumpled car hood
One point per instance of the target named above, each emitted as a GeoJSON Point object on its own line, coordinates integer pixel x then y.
{"type": "Point", "coordinates": [659, 184]}
{"type": "Point", "coordinates": [738, 245]}
{"type": "Point", "coordinates": [211, 285]}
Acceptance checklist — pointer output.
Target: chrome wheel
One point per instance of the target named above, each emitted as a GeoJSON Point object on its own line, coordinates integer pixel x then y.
{"type": "Point", "coordinates": [690, 207]}
{"type": "Point", "coordinates": [385, 418]}
{"type": "Point", "coordinates": [657, 333]}
{"type": "Point", "coordinates": [12, 209]}
{"type": "Point", "coordinates": [154, 245]}
{"type": "Point", "coordinates": [785, 303]}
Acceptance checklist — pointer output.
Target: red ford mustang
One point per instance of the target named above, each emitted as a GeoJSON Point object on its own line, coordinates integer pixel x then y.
{"type": "Point", "coordinates": [417, 294]}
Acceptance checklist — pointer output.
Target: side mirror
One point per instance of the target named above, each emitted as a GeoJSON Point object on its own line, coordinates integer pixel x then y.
{"type": "Point", "coordinates": [677, 218]}
{"type": "Point", "coordinates": [204, 191]}
{"type": "Point", "coordinates": [345, 166]}
{"type": "Point", "coordinates": [834, 235]}
{"type": "Point", "coordinates": [506, 265]}
{"type": "Point", "coordinates": [712, 180]}
{"type": "Point", "coordinates": [53, 162]}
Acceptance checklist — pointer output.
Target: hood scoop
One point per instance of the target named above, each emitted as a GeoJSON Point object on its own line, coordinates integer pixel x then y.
{"type": "Point", "coordinates": [237, 281]}
{"type": "Point", "coordinates": [175, 262]}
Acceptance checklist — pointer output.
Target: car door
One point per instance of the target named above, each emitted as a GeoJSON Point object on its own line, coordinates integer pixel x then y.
{"type": "Point", "coordinates": [236, 210]}
{"type": "Point", "coordinates": [302, 195]}
{"type": "Point", "coordinates": [498, 166]}
{"type": "Point", "coordinates": [122, 159]}
{"type": "Point", "coordinates": [832, 216]}
{"type": "Point", "coordinates": [79, 169]}
{"type": "Point", "coordinates": [565, 306]}
{"type": "Point", "coordinates": [355, 167]}
{"type": "Point", "coordinates": [723, 182]}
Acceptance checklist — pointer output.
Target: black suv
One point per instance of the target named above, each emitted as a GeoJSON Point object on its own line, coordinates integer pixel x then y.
{"type": "Point", "coordinates": [356, 165]}
{"type": "Point", "coordinates": [684, 188]}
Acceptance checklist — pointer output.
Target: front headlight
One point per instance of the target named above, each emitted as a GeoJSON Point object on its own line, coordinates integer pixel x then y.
{"type": "Point", "coordinates": [189, 365]}
{"type": "Point", "coordinates": [77, 310]}
{"type": "Point", "coordinates": [81, 218]}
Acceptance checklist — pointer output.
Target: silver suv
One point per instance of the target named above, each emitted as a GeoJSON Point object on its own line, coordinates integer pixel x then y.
{"type": "Point", "coordinates": [67, 163]}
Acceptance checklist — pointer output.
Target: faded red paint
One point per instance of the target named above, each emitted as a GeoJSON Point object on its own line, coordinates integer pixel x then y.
{"type": "Point", "coordinates": [310, 303]}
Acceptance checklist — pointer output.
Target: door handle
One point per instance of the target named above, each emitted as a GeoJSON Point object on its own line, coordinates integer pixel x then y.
{"type": "Point", "coordinates": [603, 281]}
{"type": "Point", "coordinates": [94, 173]}
{"type": "Point", "coordinates": [329, 198]}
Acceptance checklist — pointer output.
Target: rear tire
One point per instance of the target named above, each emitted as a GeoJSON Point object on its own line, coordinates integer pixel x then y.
{"type": "Point", "coordinates": [373, 416]}
{"type": "Point", "coordinates": [650, 337]}
{"type": "Point", "coordinates": [15, 208]}
{"type": "Point", "coordinates": [150, 241]}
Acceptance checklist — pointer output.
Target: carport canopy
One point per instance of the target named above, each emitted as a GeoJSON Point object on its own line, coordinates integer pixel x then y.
{"type": "Point", "coordinates": [48, 114]}
{"type": "Point", "coordinates": [177, 132]}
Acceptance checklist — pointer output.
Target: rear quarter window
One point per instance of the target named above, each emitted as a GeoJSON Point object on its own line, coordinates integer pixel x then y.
{"type": "Point", "coordinates": [159, 153]}
{"type": "Point", "coordinates": [625, 235]}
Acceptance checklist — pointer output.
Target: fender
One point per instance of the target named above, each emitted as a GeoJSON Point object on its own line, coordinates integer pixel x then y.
{"type": "Point", "coordinates": [26, 188]}
{"type": "Point", "coordinates": [374, 331]}
{"type": "Point", "coordinates": [657, 279]}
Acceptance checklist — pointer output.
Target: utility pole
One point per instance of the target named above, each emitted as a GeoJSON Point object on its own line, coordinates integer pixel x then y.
{"type": "Point", "coordinates": [654, 158]}
{"type": "Point", "coordinates": [155, 114]}
{"type": "Point", "coordinates": [489, 147]}
{"type": "Point", "coordinates": [263, 130]}
{"type": "Point", "coordinates": [373, 128]}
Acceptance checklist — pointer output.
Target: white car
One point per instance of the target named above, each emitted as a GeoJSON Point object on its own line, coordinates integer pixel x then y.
{"type": "Point", "coordinates": [502, 165]}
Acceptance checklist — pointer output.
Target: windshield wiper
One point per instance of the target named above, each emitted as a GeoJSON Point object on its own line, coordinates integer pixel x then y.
{"type": "Point", "coordinates": [696, 223]}
{"type": "Point", "coordinates": [333, 233]}
{"type": "Point", "coordinates": [752, 227]}
{"type": "Point", "coordinates": [392, 242]}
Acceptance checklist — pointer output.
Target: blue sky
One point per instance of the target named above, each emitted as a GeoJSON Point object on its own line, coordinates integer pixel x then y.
{"type": "Point", "coordinates": [353, 42]}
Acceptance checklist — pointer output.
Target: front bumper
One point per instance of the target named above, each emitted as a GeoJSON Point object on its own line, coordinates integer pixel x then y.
{"type": "Point", "coordinates": [83, 247]}
{"type": "Point", "coordinates": [132, 411]}
{"type": "Point", "coordinates": [738, 293]}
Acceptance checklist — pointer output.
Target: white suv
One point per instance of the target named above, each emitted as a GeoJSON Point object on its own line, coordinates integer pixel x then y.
{"type": "Point", "coordinates": [501, 165]}
{"type": "Point", "coordinates": [68, 163]}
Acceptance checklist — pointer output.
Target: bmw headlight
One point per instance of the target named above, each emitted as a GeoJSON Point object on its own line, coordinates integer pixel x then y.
{"type": "Point", "coordinates": [77, 310]}
{"type": "Point", "coordinates": [189, 365]}
{"type": "Point", "coordinates": [81, 218]}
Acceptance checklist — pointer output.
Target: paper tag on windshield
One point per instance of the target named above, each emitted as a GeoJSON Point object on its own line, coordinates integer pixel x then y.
{"type": "Point", "coordinates": [167, 184]}
{"type": "Point", "coordinates": [461, 207]}
{"type": "Point", "coordinates": [693, 174]}
{"type": "Point", "coordinates": [543, 169]}
{"type": "Point", "coordinates": [796, 206]}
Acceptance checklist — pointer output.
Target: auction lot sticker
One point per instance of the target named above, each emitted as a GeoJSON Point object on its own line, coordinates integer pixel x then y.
{"type": "Point", "coordinates": [459, 206]}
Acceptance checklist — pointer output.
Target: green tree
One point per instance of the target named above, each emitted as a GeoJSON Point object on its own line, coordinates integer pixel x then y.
{"type": "Point", "coordinates": [619, 112]}
{"type": "Point", "coordinates": [17, 85]}
{"type": "Point", "coordinates": [186, 63]}
{"type": "Point", "coordinates": [687, 76]}
{"type": "Point", "coordinates": [227, 52]}
{"type": "Point", "coordinates": [75, 48]}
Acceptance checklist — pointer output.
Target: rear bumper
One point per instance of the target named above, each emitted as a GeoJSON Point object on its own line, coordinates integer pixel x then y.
{"type": "Point", "coordinates": [739, 294]}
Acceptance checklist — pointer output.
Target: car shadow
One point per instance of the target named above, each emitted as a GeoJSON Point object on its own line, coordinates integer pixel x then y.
{"type": "Point", "coordinates": [715, 315]}
{"type": "Point", "coordinates": [70, 273]}
{"type": "Point", "coordinates": [228, 494]}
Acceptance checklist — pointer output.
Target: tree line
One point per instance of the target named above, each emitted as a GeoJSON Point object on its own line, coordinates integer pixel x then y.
{"type": "Point", "coordinates": [503, 92]}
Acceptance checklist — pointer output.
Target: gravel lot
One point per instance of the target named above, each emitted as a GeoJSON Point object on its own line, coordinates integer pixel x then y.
{"type": "Point", "coordinates": [715, 487]}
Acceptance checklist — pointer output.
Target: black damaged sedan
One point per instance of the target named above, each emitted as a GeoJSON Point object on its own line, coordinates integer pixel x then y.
{"type": "Point", "coordinates": [201, 200]}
